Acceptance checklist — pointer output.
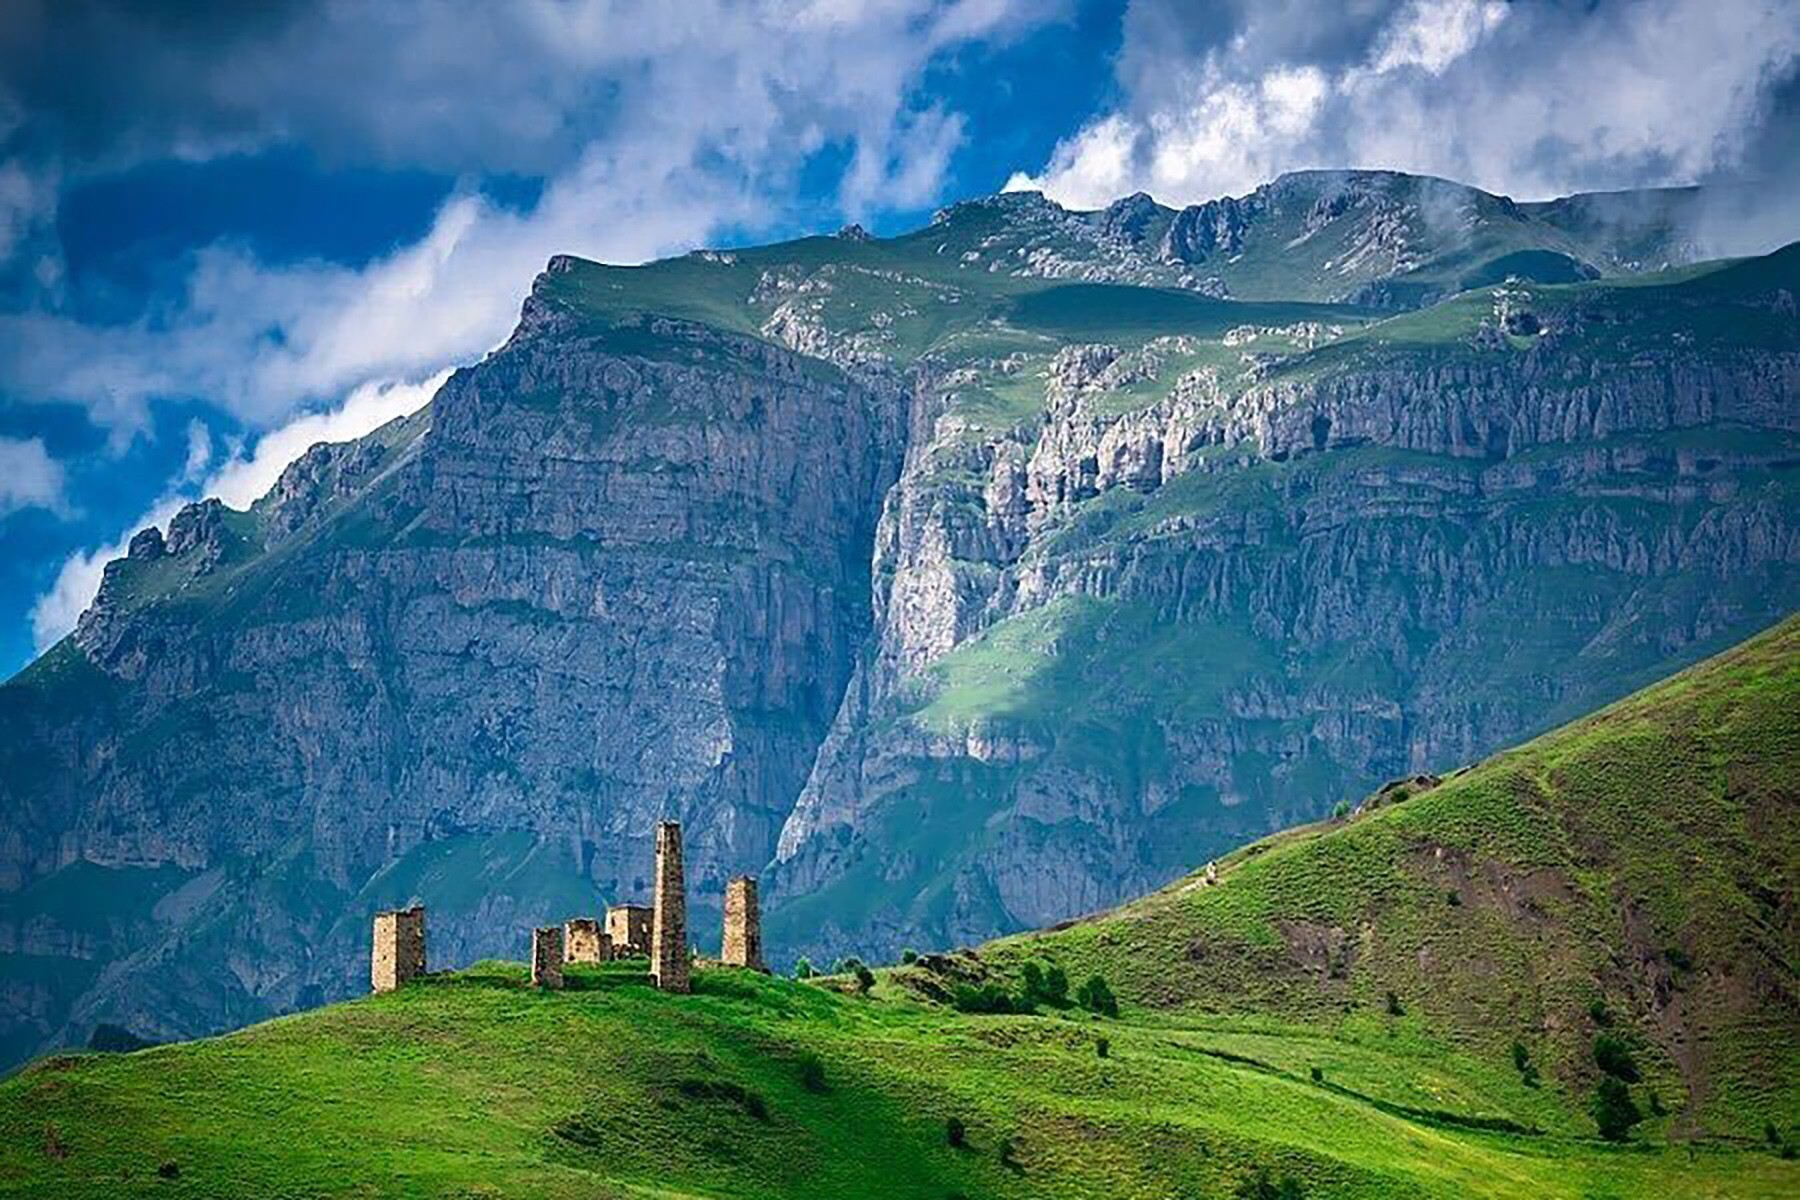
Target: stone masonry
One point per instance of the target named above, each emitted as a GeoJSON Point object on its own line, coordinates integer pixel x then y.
{"type": "Point", "coordinates": [399, 951]}
{"type": "Point", "coordinates": [585, 942]}
{"type": "Point", "coordinates": [743, 925]}
{"type": "Point", "coordinates": [669, 963]}
{"type": "Point", "coordinates": [628, 925]}
{"type": "Point", "coordinates": [547, 957]}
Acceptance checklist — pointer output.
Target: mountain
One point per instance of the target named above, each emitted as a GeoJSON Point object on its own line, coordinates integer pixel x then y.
{"type": "Point", "coordinates": [1412, 1002]}
{"type": "Point", "coordinates": [957, 583]}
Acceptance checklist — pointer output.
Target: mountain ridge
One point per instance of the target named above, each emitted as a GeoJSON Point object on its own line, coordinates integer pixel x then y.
{"type": "Point", "coordinates": [817, 546]}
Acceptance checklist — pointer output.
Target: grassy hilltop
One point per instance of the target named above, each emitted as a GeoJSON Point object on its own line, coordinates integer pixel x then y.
{"type": "Point", "coordinates": [1406, 1003]}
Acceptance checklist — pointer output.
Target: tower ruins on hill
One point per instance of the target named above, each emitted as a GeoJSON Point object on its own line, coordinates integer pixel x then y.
{"type": "Point", "coordinates": [669, 965]}
{"type": "Point", "coordinates": [742, 946]}
{"type": "Point", "coordinates": [585, 942]}
{"type": "Point", "coordinates": [399, 950]}
{"type": "Point", "coordinates": [628, 925]}
{"type": "Point", "coordinates": [547, 957]}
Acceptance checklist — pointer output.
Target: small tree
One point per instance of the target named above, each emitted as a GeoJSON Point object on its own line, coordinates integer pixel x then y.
{"type": "Point", "coordinates": [1033, 976]}
{"type": "Point", "coordinates": [865, 978]}
{"type": "Point", "coordinates": [803, 969]}
{"type": "Point", "coordinates": [909, 957]}
{"type": "Point", "coordinates": [1613, 1056]}
{"type": "Point", "coordinates": [1008, 1157]}
{"type": "Point", "coordinates": [1318, 1074]}
{"type": "Point", "coordinates": [1599, 1014]}
{"type": "Point", "coordinates": [1096, 996]}
{"type": "Point", "coordinates": [1056, 985]}
{"type": "Point", "coordinates": [1614, 1111]}
{"type": "Point", "coordinates": [1103, 1047]}
{"type": "Point", "coordinates": [1340, 810]}
{"type": "Point", "coordinates": [812, 1074]}
{"type": "Point", "coordinates": [956, 1132]}
{"type": "Point", "coordinates": [1527, 1069]}
{"type": "Point", "coordinates": [1393, 1005]}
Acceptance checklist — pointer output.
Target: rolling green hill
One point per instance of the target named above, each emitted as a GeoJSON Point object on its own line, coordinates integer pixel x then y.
{"type": "Point", "coordinates": [1420, 1000]}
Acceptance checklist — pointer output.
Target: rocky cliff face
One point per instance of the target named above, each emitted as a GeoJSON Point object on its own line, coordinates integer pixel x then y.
{"type": "Point", "coordinates": [1128, 641]}
{"type": "Point", "coordinates": [588, 589]}
{"type": "Point", "coordinates": [955, 597]}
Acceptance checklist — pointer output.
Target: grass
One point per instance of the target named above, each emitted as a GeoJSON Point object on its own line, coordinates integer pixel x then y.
{"type": "Point", "coordinates": [473, 1084]}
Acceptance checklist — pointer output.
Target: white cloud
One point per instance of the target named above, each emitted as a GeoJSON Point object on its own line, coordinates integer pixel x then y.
{"type": "Point", "coordinates": [1532, 101]}
{"type": "Point", "coordinates": [243, 480]}
{"type": "Point", "coordinates": [29, 477]}
{"type": "Point", "coordinates": [239, 481]}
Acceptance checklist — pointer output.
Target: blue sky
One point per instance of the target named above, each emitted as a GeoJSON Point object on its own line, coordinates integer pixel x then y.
{"type": "Point", "coordinates": [229, 230]}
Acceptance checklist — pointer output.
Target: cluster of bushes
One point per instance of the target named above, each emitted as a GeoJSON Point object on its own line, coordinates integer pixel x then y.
{"type": "Point", "coordinates": [865, 978]}
{"type": "Point", "coordinates": [1040, 985]}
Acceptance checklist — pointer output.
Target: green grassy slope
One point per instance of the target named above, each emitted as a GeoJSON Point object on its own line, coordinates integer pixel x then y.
{"type": "Point", "coordinates": [1642, 858]}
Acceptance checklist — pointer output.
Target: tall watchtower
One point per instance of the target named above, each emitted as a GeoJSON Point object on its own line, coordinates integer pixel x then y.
{"type": "Point", "coordinates": [669, 964]}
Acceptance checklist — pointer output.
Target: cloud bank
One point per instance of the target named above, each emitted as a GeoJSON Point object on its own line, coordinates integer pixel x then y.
{"type": "Point", "coordinates": [649, 127]}
{"type": "Point", "coordinates": [1531, 99]}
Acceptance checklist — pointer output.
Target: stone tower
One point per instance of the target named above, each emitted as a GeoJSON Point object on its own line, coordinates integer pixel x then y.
{"type": "Point", "coordinates": [628, 925]}
{"type": "Point", "coordinates": [585, 942]}
{"type": "Point", "coordinates": [399, 951]}
{"type": "Point", "coordinates": [547, 957]}
{"type": "Point", "coordinates": [743, 925]}
{"type": "Point", "coordinates": [668, 921]}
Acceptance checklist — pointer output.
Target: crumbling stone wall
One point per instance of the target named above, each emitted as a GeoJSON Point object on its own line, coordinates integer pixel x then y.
{"type": "Point", "coordinates": [628, 925]}
{"type": "Point", "coordinates": [398, 953]}
{"type": "Point", "coordinates": [743, 925]}
{"type": "Point", "coordinates": [585, 942]}
{"type": "Point", "coordinates": [547, 957]}
{"type": "Point", "coordinates": [669, 963]}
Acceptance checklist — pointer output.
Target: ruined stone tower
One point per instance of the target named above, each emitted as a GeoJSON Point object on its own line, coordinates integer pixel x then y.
{"type": "Point", "coordinates": [399, 951]}
{"type": "Point", "coordinates": [743, 925]}
{"type": "Point", "coordinates": [668, 922]}
{"type": "Point", "coordinates": [628, 925]}
{"type": "Point", "coordinates": [585, 942]}
{"type": "Point", "coordinates": [547, 957]}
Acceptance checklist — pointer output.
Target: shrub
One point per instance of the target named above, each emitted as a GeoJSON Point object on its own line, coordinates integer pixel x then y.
{"type": "Point", "coordinates": [1656, 1106]}
{"type": "Point", "coordinates": [865, 978]}
{"type": "Point", "coordinates": [1102, 1047]}
{"type": "Point", "coordinates": [168, 1170]}
{"type": "Point", "coordinates": [956, 1132]}
{"type": "Point", "coordinates": [1771, 1134]}
{"type": "Point", "coordinates": [1340, 810]}
{"type": "Point", "coordinates": [1453, 898]}
{"type": "Point", "coordinates": [909, 957]}
{"type": "Point", "coordinates": [1033, 976]}
{"type": "Point", "coordinates": [1393, 1005]}
{"type": "Point", "coordinates": [1096, 996]}
{"type": "Point", "coordinates": [1678, 958]}
{"type": "Point", "coordinates": [812, 1074]}
{"type": "Point", "coordinates": [989, 998]}
{"type": "Point", "coordinates": [1318, 1075]}
{"type": "Point", "coordinates": [1008, 1158]}
{"type": "Point", "coordinates": [1056, 985]}
{"type": "Point", "coordinates": [1597, 1010]}
{"type": "Point", "coordinates": [803, 969]}
{"type": "Point", "coordinates": [1614, 1057]}
{"type": "Point", "coordinates": [1614, 1111]}
{"type": "Point", "coordinates": [847, 966]}
{"type": "Point", "coordinates": [1527, 1069]}
{"type": "Point", "coordinates": [1261, 1187]}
